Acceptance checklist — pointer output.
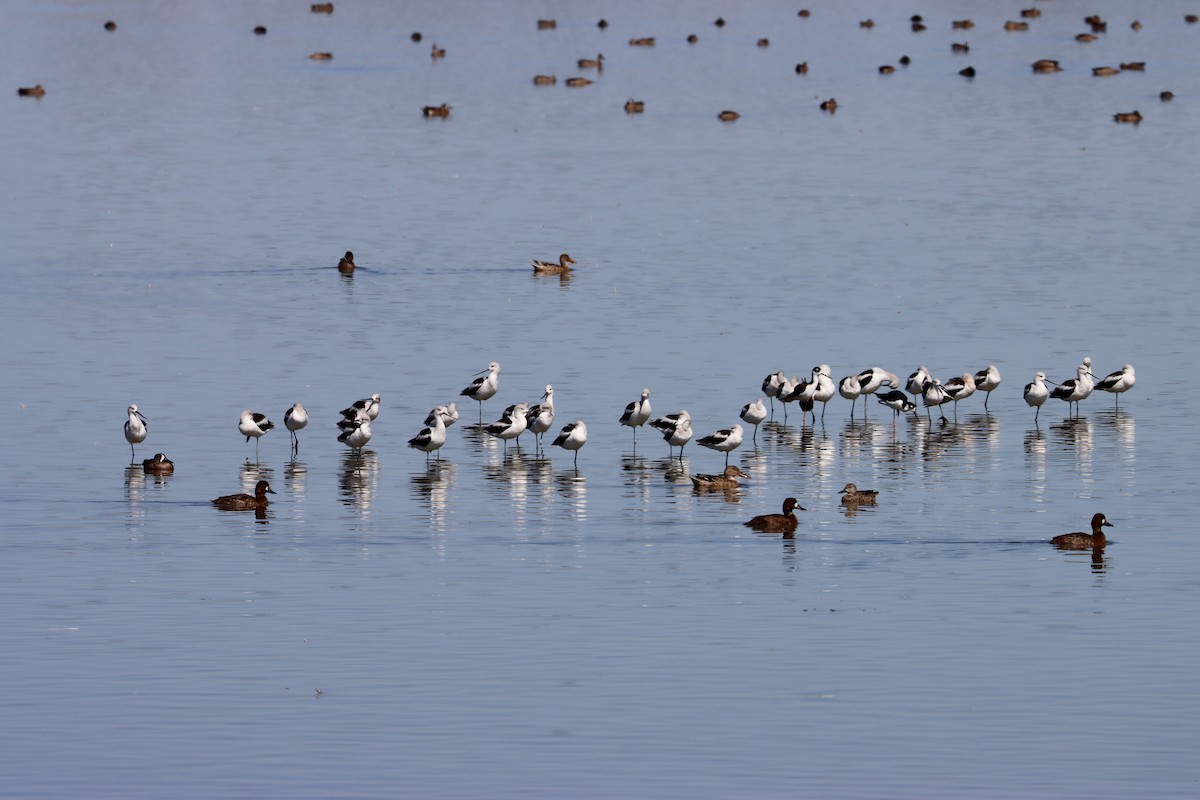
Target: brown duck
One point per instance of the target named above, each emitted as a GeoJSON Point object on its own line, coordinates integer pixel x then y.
{"type": "Point", "coordinates": [550, 268]}
{"type": "Point", "coordinates": [159, 465]}
{"type": "Point", "coordinates": [853, 496]}
{"type": "Point", "coordinates": [244, 502]}
{"type": "Point", "coordinates": [1084, 541]}
{"type": "Point", "coordinates": [776, 523]}
{"type": "Point", "coordinates": [726, 480]}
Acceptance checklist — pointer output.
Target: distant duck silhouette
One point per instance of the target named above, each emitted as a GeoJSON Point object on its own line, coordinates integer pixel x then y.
{"type": "Point", "coordinates": [321, 56]}
{"type": "Point", "coordinates": [634, 106]}
{"type": "Point", "coordinates": [1046, 65]}
{"type": "Point", "coordinates": [728, 116]}
{"type": "Point", "coordinates": [346, 264]}
{"type": "Point", "coordinates": [1128, 116]}
{"type": "Point", "coordinates": [1084, 541]}
{"type": "Point", "coordinates": [592, 63]}
{"type": "Point", "coordinates": [244, 502]}
{"type": "Point", "coordinates": [159, 465]}
{"type": "Point", "coordinates": [442, 111]}
{"type": "Point", "coordinates": [32, 91]}
{"type": "Point", "coordinates": [544, 80]}
{"type": "Point", "coordinates": [776, 523]}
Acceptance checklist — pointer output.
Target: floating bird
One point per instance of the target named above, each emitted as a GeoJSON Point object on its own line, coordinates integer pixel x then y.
{"type": "Point", "coordinates": [437, 52]}
{"type": "Point", "coordinates": [728, 116]}
{"type": "Point", "coordinates": [770, 386]}
{"type": "Point", "coordinates": [294, 419]}
{"type": "Point", "coordinates": [854, 496]}
{"type": "Point", "coordinates": [432, 437]}
{"type": "Point", "coordinates": [483, 388]}
{"type": "Point", "coordinates": [540, 417]}
{"type": "Point", "coordinates": [824, 388]}
{"type": "Point", "coordinates": [726, 480]}
{"type": "Point", "coordinates": [1036, 393]}
{"type": "Point", "coordinates": [1118, 382]}
{"type": "Point", "coordinates": [986, 380]}
{"type": "Point", "coordinates": [592, 63]}
{"type": "Point", "coordinates": [550, 268]}
{"type": "Point", "coordinates": [637, 413]}
{"type": "Point", "coordinates": [724, 441]}
{"type": "Point", "coordinates": [244, 502]}
{"type": "Point", "coordinates": [850, 389]}
{"type": "Point", "coordinates": [159, 465]}
{"type": "Point", "coordinates": [511, 425]}
{"type": "Point", "coordinates": [31, 91]}
{"type": "Point", "coordinates": [1076, 389]}
{"type": "Point", "coordinates": [1046, 65]}
{"type": "Point", "coordinates": [346, 263]}
{"type": "Point", "coordinates": [544, 80]}
{"type": "Point", "coordinates": [135, 430]}
{"type": "Point", "coordinates": [1128, 116]}
{"type": "Point", "coordinates": [355, 433]}
{"type": "Point", "coordinates": [368, 406]}
{"type": "Point", "coordinates": [442, 111]}
{"type": "Point", "coordinates": [776, 523]}
{"type": "Point", "coordinates": [634, 106]}
{"type": "Point", "coordinates": [1084, 541]}
{"type": "Point", "coordinates": [572, 437]}
{"type": "Point", "coordinates": [898, 402]}
{"type": "Point", "coordinates": [253, 425]}
{"type": "Point", "coordinates": [754, 414]}
{"type": "Point", "coordinates": [577, 82]}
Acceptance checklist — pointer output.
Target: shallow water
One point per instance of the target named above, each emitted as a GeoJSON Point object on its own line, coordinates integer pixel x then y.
{"type": "Point", "coordinates": [502, 624]}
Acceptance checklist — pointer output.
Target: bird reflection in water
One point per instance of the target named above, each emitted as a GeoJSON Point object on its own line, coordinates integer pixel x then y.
{"type": "Point", "coordinates": [295, 475]}
{"type": "Point", "coordinates": [432, 487]}
{"type": "Point", "coordinates": [573, 487]}
{"type": "Point", "coordinates": [675, 470]}
{"type": "Point", "coordinates": [251, 473]}
{"type": "Point", "coordinates": [358, 478]}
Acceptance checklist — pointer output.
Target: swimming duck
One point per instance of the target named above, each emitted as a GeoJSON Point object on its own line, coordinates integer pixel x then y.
{"type": "Point", "coordinates": [728, 116]}
{"type": "Point", "coordinates": [1084, 541]}
{"type": "Point", "coordinates": [437, 52]}
{"type": "Point", "coordinates": [244, 502]}
{"type": "Point", "coordinates": [442, 111]}
{"type": "Point", "coordinates": [1127, 116]}
{"type": "Point", "coordinates": [852, 495]}
{"type": "Point", "coordinates": [321, 56]}
{"type": "Point", "coordinates": [830, 105]}
{"type": "Point", "coordinates": [726, 480]}
{"type": "Point", "coordinates": [346, 264]}
{"type": "Point", "coordinates": [962, 24]}
{"type": "Point", "coordinates": [1105, 72]}
{"type": "Point", "coordinates": [967, 72]}
{"type": "Point", "coordinates": [544, 80]}
{"type": "Point", "coordinates": [547, 24]}
{"type": "Point", "coordinates": [1133, 66]}
{"type": "Point", "coordinates": [592, 63]}
{"type": "Point", "coordinates": [550, 268]}
{"type": "Point", "coordinates": [634, 106]}
{"type": "Point", "coordinates": [1013, 25]}
{"type": "Point", "coordinates": [645, 41]}
{"type": "Point", "coordinates": [1046, 65]}
{"type": "Point", "coordinates": [31, 91]}
{"type": "Point", "coordinates": [577, 82]}
{"type": "Point", "coordinates": [159, 465]}
{"type": "Point", "coordinates": [775, 523]}
{"type": "Point", "coordinates": [322, 8]}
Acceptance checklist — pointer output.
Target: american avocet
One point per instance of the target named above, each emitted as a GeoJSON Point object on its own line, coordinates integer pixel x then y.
{"type": "Point", "coordinates": [679, 435]}
{"type": "Point", "coordinates": [159, 465]}
{"type": "Point", "coordinates": [448, 414]}
{"type": "Point", "coordinates": [770, 386]}
{"type": "Point", "coordinates": [671, 421]}
{"type": "Point", "coordinates": [431, 438]}
{"type": "Point", "coordinates": [244, 502]}
{"type": "Point", "coordinates": [355, 433]}
{"type": "Point", "coordinates": [872, 379]}
{"type": "Point", "coordinates": [754, 414]}
{"type": "Point", "coordinates": [850, 389]}
{"type": "Point", "coordinates": [368, 406]}
{"type": "Point", "coordinates": [1085, 541]}
{"type": "Point", "coordinates": [1117, 382]}
{"type": "Point", "coordinates": [852, 495]}
{"type": "Point", "coordinates": [789, 390]}
{"type": "Point", "coordinates": [1036, 393]}
{"type": "Point", "coordinates": [346, 263]}
{"type": "Point", "coordinates": [934, 395]}
{"type": "Point", "coordinates": [724, 441]}
{"type": "Point", "coordinates": [294, 419]}
{"type": "Point", "coordinates": [483, 388]}
{"type": "Point", "coordinates": [1077, 388]}
{"type": "Point", "coordinates": [803, 395]}
{"type": "Point", "coordinates": [135, 430]}
{"type": "Point", "coordinates": [726, 480]}
{"type": "Point", "coordinates": [637, 413]}
{"type": "Point", "coordinates": [572, 437]}
{"type": "Point", "coordinates": [776, 523]}
{"type": "Point", "coordinates": [550, 268]}
{"type": "Point", "coordinates": [540, 417]}
{"type": "Point", "coordinates": [253, 425]}
{"type": "Point", "coordinates": [511, 425]}
{"type": "Point", "coordinates": [960, 388]}
{"type": "Point", "coordinates": [916, 381]}
{"type": "Point", "coordinates": [986, 380]}
{"type": "Point", "coordinates": [825, 388]}
{"type": "Point", "coordinates": [898, 402]}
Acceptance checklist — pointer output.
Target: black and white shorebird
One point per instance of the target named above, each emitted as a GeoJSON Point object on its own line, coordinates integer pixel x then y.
{"type": "Point", "coordinates": [1118, 382]}
{"type": "Point", "coordinates": [294, 419]}
{"type": "Point", "coordinates": [724, 441]}
{"type": "Point", "coordinates": [770, 386]}
{"type": "Point", "coordinates": [448, 413]}
{"type": "Point", "coordinates": [254, 425]}
{"type": "Point", "coordinates": [825, 388]}
{"type": "Point", "coordinates": [754, 414]}
{"type": "Point", "coordinates": [432, 438]}
{"type": "Point", "coordinates": [135, 430]}
{"type": "Point", "coordinates": [637, 414]}
{"type": "Point", "coordinates": [484, 388]}
{"type": "Point", "coordinates": [572, 437]}
{"type": "Point", "coordinates": [916, 381]}
{"type": "Point", "coordinates": [540, 417]}
{"type": "Point", "coordinates": [678, 435]}
{"type": "Point", "coordinates": [959, 388]}
{"type": "Point", "coordinates": [873, 379]}
{"type": "Point", "coordinates": [789, 390]}
{"type": "Point", "coordinates": [510, 425]}
{"type": "Point", "coordinates": [368, 406]}
{"type": "Point", "coordinates": [898, 402]}
{"type": "Point", "coordinates": [987, 380]}
{"type": "Point", "coordinates": [850, 389]}
{"type": "Point", "coordinates": [1036, 393]}
{"type": "Point", "coordinates": [1076, 389]}
{"type": "Point", "coordinates": [934, 394]}
{"type": "Point", "coordinates": [355, 432]}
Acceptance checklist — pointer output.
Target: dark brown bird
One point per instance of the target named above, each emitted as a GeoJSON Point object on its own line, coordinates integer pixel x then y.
{"type": "Point", "coordinates": [852, 495]}
{"type": "Point", "coordinates": [436, 111]}
{"type": "Point", "coordinates": [776, 523]}
{"type": "Point", "coordinates": [159, 465]}
{"type": "Point", "coordinates": [31, 91]}
{"type": "Point", "coordinates": [244, 502]}
{"type": "Point", "coordinates": [728, 116]}
{"type": "Point", "coordinates": [346, 264]}
{"type": "Point", "coordinates": [1084, 541]}
{"type": "Point", "coordinates": [1128, 116]}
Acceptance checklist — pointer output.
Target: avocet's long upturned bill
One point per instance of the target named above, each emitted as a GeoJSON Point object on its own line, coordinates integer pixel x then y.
{"type": "Point", "coordinates": [254, 425]}
{"type": "Point", "coordinates": [135, 430]}
{"type": "Point", "coordinates": [294, 419]}
{"type": "Point", "coordinates": [572, 437]}
{"type": "Point", "coordinates": [724, 441]}
{"type": "Point", "coordinates": [1036, 393]}
{"type": "Point", "coordinates": [1118, 382]}
{"type": "Point", "coordinates": [987, 380]}
{"type": "Point", "coordinates": [483, 388]}
{"type": "Point", "coordinates": [754, 414]}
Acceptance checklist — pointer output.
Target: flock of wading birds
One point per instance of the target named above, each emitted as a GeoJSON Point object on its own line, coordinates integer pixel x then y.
{"type": "Point", "coordinates": [676, 429]}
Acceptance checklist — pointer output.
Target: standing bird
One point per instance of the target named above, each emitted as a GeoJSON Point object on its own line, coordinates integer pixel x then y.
{"type": "Point", "coordinates": [368, 406]}
{"type": "Point", "coordinates": [986, 380]}
{"type": "Point", "coordinates": [725, 441]}
{"type": "Point", "coordinates": [916, 382]}
{"type": "Point", "coordinates": [252, 424]}
{"type": "Point", "coordinates": [825, 388]}
{"type": "Point", "coordinates": [898, 402]}
{"type": "Point", "coordinates": [850, 389]}
{"type": "Point", "coordinates": [1075, 389]}
{"type": "Point", "coordinates": [789, 390]}
{"type": "Point", "coordinates": [483, 388]}
{"type": "Point", "coordinates": [754, 414]}
{"type": "Point", "coordinates": [550, 268]}
{"type": "Point", "coordinates": [770, 386]}
{"type": "Point", "coordinates": [960, 389]}
{"type": "Point", "coordinates": [1036, 393]}
{"type": "Point", "coordinates": [678, 435]}
{"type": "Point", "coordinates": [431, 438]}
{"type": "Point", "coordinates": [671, 421]}
{"type": "Point", "coordinates": [1085, 541]}
{"type": "Point", "coordinates": [294, 419]}
{"type": "Point", "coordinates": [346, 264]}
{"type": "Point", "coordinates": [934, 395]}
{"type": "Point", "coordinates": [356, 432]}
{"type": "Point", "coordinates": [872, 379]}
{"type": "Point", "coordinates": [637, 413]}
{"type": "Point", "coordinates": [135, 430]}
{"type": "Point", "coordinates": [1118, 382]}
{"type": "Point", "coordinates": [511, 425]}
{"type": "Point", "coordinates": [244, 502]}
{"type": "Point", "coordinates": [777, 523]}
{"type": "Point", "coordinates": [572, 437]}
{"type": "Point", "coordinates": [540, 417]}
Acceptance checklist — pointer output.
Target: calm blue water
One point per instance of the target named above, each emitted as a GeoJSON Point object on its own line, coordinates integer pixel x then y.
{"type": "Point", "coordinates": [500, 624]}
